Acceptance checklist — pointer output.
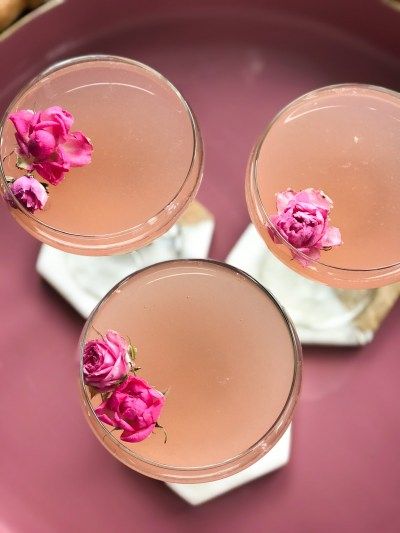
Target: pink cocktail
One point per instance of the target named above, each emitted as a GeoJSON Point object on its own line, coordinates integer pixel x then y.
{"type": "Point", "coordinates": [224, 350]}
{"type": "Point", "coordinates": [146, 163]}
{"type": "Point", "coordinates": [343, 140]}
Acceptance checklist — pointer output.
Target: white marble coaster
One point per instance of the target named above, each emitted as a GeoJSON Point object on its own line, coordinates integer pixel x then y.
{"type": "Point", "coordinates": [197, 493]}
{"type": "Point", "coordinates": [317, 310]}
{"type": "Point", "coordinates": [84, 280]}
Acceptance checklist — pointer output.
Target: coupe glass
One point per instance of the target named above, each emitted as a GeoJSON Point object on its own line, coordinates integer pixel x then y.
{"type": "Point", "coordinates": [225, 351]}
{"type": "Point", "coordinates": [343, 140]}
{"type": "Point", "coordinates": [146, 163]}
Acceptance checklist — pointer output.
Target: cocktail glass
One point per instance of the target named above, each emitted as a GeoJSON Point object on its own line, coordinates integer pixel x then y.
{"type": "Point", "coordinates": [225, 351]}
{"type": "Point", "coordinates": [146, 164]}
{"type": "Point", "coordinates": [343, 140]}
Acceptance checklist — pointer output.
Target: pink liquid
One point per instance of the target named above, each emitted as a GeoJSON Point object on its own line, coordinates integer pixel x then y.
{"type": "Point", "coordinates": [144, 143]}
{"type": "Point", "coordinates": [344, 140]}
{"type": "Point", "coordinates": [220, 345]}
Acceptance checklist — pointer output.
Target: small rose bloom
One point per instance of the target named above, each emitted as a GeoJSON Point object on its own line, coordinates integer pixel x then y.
{"type": "Point", "coordinates": [105, 361]}
{"type": "Point", "coordinates": [46, 144]}
{"type": "Point", "coordinates": [29, 192]}
{"type": "Point", "coordinates": [134, 407]}
{"type": "Point", "coordinates": [303, 221]}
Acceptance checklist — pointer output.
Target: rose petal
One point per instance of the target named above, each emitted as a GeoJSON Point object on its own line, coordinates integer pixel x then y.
{"type": "Point", "coordinates": [283, 199]}
{"type": "Point", "coordinates": [102, 414]}
{"type": "Point", "coordinates": [332, 237]}
{"type": "Point", "coordinates": [58, 116]}
{"type": "Point", "coordinates": [121, 423]}
{"type": "Point", "coordinates": [52, 171]}
{"type": "Point", "coordinates": [118, 369]}
{"type": "Point", "coordinates": [77, 149]}
{"type": "Point", "coordinates": [22, 121]}
{"type": "Point", "coordinates": [137, 436]}
{"type": "Point", "coordinates": [41, 144]}
{"type": "Point", "coordinates": [115, 342]}
{"type": "Point", "coordinates": [316, 198]}
{"type": "Point", "coordinates": [133, 406]}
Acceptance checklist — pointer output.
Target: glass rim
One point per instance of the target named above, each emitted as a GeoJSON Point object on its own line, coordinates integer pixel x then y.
{"type": "Point", "coordinates": [253, 174]}
{"type": "Point", "coordinates": [281, 422]}
{"type": "Point", "coordinates": [89, 58]}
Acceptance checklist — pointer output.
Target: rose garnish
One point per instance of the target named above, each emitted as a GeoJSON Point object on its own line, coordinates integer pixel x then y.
{"type": "Point", "coordinates": [46, 144]}
{"type": "Point", "coordinates": [135, 407]}
{"type": "Point", "coordinates": [106, 361]}
{"type": "Point", "coordinates": [129, 403]}
{"type": "Point", "coordinates": [303, 221]}
{"type": "Point", "coordinates": [30, 193]}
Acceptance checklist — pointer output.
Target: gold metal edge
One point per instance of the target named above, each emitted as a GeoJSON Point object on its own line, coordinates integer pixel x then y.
{"type": "Point", "coordinates": [393, 4]}
{"type": "Point", "coordinates": [26, 19]}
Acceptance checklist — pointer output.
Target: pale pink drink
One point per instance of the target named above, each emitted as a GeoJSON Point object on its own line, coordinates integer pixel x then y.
{"type": "Point", "coordinates": [344, 140]}
{"type": "Point", "coordinates": [146, 162]}
{"type": "Point", "coordinates": [225, 351]}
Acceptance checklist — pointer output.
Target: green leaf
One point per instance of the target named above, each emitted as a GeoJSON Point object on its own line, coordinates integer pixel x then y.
{"type": "Point", "coordinates": [22, 163]}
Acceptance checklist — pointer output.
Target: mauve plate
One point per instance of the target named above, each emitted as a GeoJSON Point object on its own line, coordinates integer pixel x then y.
{"type": "Point", "coordinates": [238, 63]}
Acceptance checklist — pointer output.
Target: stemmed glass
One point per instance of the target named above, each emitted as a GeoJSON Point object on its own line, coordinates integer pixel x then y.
{"type": "Point", "coordinates": [343, 140]}
{"type": "Point", "coordinates": [220, 350]}
{"type": "Point", "coordinates": [146, 164]}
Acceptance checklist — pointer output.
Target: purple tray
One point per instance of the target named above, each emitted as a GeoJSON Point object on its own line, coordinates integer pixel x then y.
{"type": "Point", "coordinates": [238, 63]}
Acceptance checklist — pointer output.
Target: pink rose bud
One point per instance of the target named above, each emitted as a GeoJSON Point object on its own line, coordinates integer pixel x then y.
{"type": "Point", "coordinates": [303, 221]}
{"type": "Point", "coordinates": [105, 361]}
{"type": "Point", "coordinates": [134, 407]}
{"type": "Point", "coordinates": [45, 143]}
{"type": "Point", "coordinates": [29, 192]}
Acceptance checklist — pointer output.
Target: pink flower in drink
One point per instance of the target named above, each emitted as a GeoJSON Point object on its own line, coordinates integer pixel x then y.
{"type": "Point", "coordinates": [46, 144]}
{"type": "Point", "coordinates": [38, 134]}
{"type": "Point", "coordinates": [303, 221]}
{"type": "Point", "coordinates": [134, 407]}
{"type": "Point", "coordinates": [29, 192]}
{"type": "Point", "coordinates": [106, 361]}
